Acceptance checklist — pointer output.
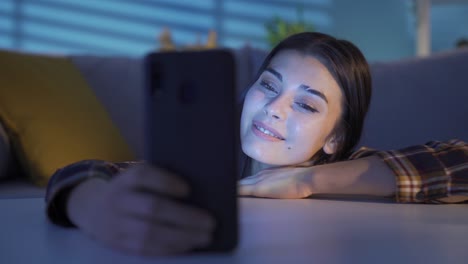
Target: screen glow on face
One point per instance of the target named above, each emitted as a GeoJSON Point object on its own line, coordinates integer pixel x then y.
{"type": "Point", "coordinates": [290, 111]}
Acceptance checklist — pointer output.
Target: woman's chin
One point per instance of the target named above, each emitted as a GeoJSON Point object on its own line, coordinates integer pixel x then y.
{"type": "Point", "coordinates": [273, 156]}
{"type": "Point", "coordinates": [269, 160]}
{"type": "Point", "coordinates": [264, 157]}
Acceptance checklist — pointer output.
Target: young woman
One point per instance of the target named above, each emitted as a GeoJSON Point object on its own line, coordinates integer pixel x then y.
{"type": "Point", "coordinates": [300, 122]}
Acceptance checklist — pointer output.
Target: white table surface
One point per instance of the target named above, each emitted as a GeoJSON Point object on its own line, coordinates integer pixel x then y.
{"type": "Point", "coordinates": [272, 231]}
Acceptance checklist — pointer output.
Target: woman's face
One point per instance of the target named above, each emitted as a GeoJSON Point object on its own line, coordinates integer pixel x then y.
{"type": "Point", "coordinates": [290, 111]}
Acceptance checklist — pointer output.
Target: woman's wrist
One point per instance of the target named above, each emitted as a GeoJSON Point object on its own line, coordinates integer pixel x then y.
{"type": "Point", "coordinates": [81, 199]}
{"type": "Point", "coordinates": [367, 176]}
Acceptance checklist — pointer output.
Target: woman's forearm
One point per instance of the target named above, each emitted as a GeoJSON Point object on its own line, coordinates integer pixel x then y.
{"type": "Point", "coordinates": [360, 177]}
{"type": "Point", "coordinates": [367, 177]}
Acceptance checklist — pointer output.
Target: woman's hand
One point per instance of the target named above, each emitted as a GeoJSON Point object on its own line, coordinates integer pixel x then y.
{"type": "Point", "coordinates": [135, 212]}
{"type": "Point", "coordinates": [283, 183]}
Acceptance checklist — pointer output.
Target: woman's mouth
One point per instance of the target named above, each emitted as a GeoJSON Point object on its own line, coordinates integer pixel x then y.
{"type": "Point", "coordinates": [265, 132]}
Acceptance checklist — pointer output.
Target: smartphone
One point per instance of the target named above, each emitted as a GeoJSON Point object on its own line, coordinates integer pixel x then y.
{"type": "Point", "coordinates": [192, 130]}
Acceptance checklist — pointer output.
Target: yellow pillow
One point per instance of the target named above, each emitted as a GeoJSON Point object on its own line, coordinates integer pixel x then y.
{"type": "Point", "coordinates": [53, 116]}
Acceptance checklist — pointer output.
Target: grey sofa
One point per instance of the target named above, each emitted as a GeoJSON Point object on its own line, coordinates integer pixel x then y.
{"type": "Point", "coordinates": [417, 100]}
{"type": "Point", "coordinates": [414, 101]}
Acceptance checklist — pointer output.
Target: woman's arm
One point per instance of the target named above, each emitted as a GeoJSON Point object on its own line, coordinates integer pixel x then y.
{"type": "Point", "coordinates": [66, 179]}
{"type": "Point", "coordinates": [436, 172]}
{"type": "Point", "coordinates": [362, 177]}
{"type": "Point", "coordinates": [368, 176]}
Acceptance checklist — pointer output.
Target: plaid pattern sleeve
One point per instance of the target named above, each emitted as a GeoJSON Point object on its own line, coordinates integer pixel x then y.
{"type": "Point", "coordinates": [427, 173]}
{"type": "Point", "coordinates": [64, 179]}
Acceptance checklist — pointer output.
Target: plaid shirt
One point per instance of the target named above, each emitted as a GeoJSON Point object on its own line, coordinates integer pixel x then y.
{"type": "Point", "coordinates": [424, 174]}
{"type": "Point", "coordinates": [427, 173]}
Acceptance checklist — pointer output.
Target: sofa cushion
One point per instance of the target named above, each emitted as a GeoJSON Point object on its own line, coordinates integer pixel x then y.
{"type": "Point", "coordinates": [53, 116]}
{"type": "Point", "coordinates": [118, 84]}
{"type": "Point", "coordinates": [417, 100]}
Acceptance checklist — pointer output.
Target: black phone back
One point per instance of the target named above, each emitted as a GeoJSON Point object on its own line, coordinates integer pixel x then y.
{"type": "Point", "coordinates": [192, 130]}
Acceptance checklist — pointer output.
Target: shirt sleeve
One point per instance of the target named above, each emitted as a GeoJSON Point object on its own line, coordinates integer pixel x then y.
{"type": "Point", "coordinates": [427, 173]}
{"type": "Point", "coordinates": [65, 179]}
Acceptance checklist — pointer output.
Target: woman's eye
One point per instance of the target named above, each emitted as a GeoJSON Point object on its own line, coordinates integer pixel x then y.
{"type": "Point", "coordinates": [268, 86]}
{"type": "Point", "coordinates": [307, 107]}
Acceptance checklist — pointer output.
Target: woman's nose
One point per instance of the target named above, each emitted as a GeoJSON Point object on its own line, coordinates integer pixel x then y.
{"type": "Point", "coordinates": [277, 108]}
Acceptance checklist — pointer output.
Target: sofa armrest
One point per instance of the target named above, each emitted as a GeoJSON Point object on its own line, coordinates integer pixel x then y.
{"type": "Point", "coordinates": [5, 152]}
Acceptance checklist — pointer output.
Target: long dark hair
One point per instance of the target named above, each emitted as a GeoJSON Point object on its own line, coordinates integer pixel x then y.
{"type": "Point", "coordinates": [347, 65]}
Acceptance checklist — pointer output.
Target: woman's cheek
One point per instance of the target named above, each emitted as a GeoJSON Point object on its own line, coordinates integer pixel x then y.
{"type": "Point", "coordinates": [254, 99]}
{"type": "Point", "coordinates": [255, 94]}
{"type": "Point", "coordinates": [304, 131]}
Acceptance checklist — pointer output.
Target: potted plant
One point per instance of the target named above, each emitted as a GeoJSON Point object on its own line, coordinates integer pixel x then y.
{"type": "Point", "coordinates": [279, 28]}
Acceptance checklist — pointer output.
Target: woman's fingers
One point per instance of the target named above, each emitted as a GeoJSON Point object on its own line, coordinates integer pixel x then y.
{"type": "Point", "coordinates": [275, 183]}
{"type": "Point", "coordinates": [152, 179]}
{"type": "Point", "coordinates": [143, 237]}
{"type": "Point", "coordinates": [165, 210]}
{"type": "Point", "coordinates": [150, 224]}
{"type": "Point", "coordinates": [249, 185]}
{"type": "Point", "coordinates": [247, 190]}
